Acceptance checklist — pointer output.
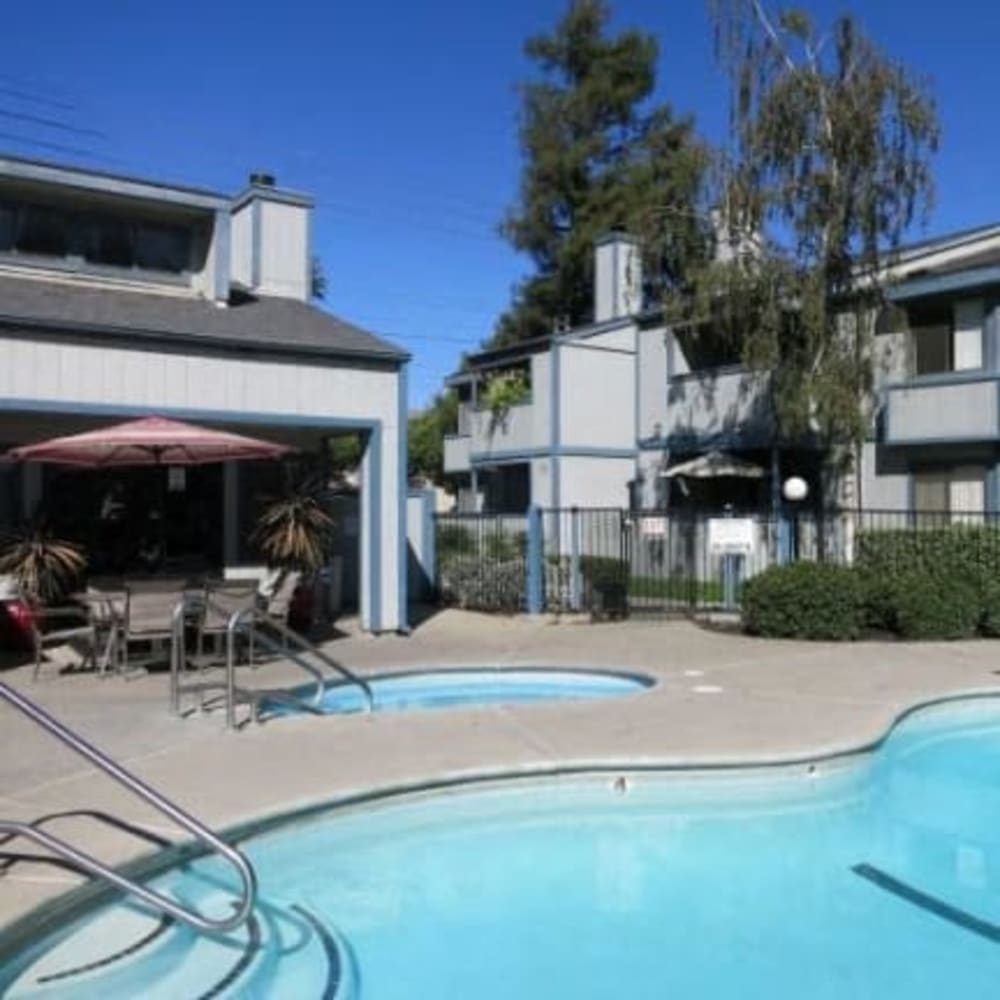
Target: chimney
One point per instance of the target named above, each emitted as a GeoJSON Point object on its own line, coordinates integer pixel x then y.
{"type": "Point", "coordinates": [271, 238]}
{"type": "Point", "coordinates": [617, 277]}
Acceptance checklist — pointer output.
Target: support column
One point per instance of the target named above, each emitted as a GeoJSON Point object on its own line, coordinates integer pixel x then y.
{"type": "Point", "coordinates": [31, 489]}
{"type": "Point", "coordinates": [536, 566]}
{"type": "Point", "coordinates": [230, 513]}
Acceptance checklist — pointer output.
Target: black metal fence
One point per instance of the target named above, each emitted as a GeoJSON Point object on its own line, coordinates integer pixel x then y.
{"type": "Point", "coordinates": [482, 561]}
{"type": "Point", "coordinates": [610, 561]}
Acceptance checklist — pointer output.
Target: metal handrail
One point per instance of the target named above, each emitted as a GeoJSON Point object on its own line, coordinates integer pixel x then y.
{"type": "Point", "coordinates": [244, 869]}
{"type": "Point", "coordinates": [248, 617]}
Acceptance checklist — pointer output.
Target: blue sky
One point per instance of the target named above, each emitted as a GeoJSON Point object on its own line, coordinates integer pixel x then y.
{"type": "Point", "coordinates": [401, 119]}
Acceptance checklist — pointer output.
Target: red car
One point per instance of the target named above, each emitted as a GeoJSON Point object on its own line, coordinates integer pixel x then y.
{"type": "Point", "coordinates": [17, 625]}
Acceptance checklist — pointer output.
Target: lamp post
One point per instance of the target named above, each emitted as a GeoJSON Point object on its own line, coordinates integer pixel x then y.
{"type": "Point", "coordinates": [795, 490]}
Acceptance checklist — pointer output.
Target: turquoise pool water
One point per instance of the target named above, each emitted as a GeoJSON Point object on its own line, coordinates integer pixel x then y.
{"type": "Point", "coordinates": [472, 686]}
{"type": "Point", "coordinates": [875, 879]}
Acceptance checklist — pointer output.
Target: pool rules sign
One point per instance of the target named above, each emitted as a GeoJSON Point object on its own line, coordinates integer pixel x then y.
{"type": "Point", "coordinates": [731, 534]}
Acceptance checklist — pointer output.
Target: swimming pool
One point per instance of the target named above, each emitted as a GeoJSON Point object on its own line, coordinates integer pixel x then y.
{"type": "Point", "coordinates": [471, 686]}
{"type": "Point", "coordinates": [873, 877]}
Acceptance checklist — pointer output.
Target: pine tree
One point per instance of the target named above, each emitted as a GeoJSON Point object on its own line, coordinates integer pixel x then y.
{"type": "Point", "coordinates": [596, 158]}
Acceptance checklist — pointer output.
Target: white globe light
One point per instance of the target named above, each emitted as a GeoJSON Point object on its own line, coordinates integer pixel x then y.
{"type": "Point", "coordinates": [795, 489]}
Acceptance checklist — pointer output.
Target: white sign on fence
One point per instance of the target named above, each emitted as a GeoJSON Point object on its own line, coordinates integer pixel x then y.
{"type": "Point", "coordinates": [731, 534]}
{"type": "Point", "coordinates": [653, 527]}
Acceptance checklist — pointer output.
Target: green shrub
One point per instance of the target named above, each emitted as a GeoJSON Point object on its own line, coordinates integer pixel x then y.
{"type": "Point", "coordinates": [478, 585]}
{"type": "Point", "coordinates": [989, 621]}
{"type": "Point", "coordinates": [965, 556]}
{"type": "Point", "coordinates": [504, 545]}
{"type": "Point", "coordinates": [600, 571]}
{"type": "Point", "coordinates": [928, 605]}
{"type": "Point", "coordinates": [453, 539]}
{"type": "Point", "coordinates": [804, 600]}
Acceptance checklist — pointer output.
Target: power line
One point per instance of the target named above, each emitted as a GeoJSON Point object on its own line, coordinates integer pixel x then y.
{"type": "Point", "coordinates": [56, 147]}
{"type": "Point", "coordinates": [423, 225]}
{"type": "Point", "coordinates": [53, 123]}
{"type": "Point", "coordinates": [46, 102]}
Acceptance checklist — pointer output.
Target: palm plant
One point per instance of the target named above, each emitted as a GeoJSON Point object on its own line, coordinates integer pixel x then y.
{"type": "Point", "coordinates": [43, 567]}
{"type": "Point", "coordinates": [294, 531]}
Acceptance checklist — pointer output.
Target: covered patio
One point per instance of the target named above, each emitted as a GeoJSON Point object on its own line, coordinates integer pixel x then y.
{"type": "Point", "coordinates": [312, 380]}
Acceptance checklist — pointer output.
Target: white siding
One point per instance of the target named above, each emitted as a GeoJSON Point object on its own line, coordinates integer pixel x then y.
{"type": "Point", "coordinates": [284, 250]}
{"type": "Point", "coordinates": [541, 398]}
{"type": "Point", "coordinates": [652, 382]}
{"type": "Point", "coordinates": [595, 482]}
{"type": "Point", "coordinates": [241, 249]}
{"type": "Point", "coordinates": [597, 398]}
{"type": "Point", "coordinates": [118, 376]}
{"type": "Point", "coordinates": [541, 482]}
{"type": "Point", "coordinates": [882, 489]}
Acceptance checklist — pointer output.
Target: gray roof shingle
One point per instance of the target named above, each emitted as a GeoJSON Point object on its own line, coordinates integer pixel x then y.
{"type": "Point", "coordinates": [263, 323]}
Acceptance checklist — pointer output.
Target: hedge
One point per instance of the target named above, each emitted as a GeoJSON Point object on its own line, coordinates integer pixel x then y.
{"type": "Point", "coordinates": [965, 553]}
{"type": "Point", "coordinates": [929, 605]}
{"type": "Point", "coordinates": [805, 600]}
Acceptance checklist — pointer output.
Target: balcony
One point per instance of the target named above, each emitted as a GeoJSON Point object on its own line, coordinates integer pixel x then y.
{"type": "Point", "coordinates": [942, 409]}
{"type": "Point", "coordinates": [717, 406]}
{"type": "Point", "coordinates": [456, 452]}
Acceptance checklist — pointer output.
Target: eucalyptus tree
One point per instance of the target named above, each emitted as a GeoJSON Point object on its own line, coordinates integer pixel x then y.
{"type": "Point", "coordinates": [827, 167]}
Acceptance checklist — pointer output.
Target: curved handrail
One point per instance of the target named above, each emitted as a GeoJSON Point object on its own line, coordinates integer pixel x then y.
{"type": "Point", "coordinates": [249, 616]}
{"type": "Point", "coordinates": [244, 869]}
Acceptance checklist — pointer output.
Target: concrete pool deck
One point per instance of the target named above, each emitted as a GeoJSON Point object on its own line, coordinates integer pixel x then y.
{"type": "Point", "coordinates": [719, 698]}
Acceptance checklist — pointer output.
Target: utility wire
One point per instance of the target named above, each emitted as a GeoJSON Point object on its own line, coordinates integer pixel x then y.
{"type": "Point", "coordinates": [47, 102]}
{"type": "Point", "coordinates": [53, 123]}
{"type": "Point", "coordinates": [56, 147]}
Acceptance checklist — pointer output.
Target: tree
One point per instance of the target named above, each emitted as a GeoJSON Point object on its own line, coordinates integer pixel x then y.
{"type": "Point", "coordinates": [317, 278]}
{"type": "Point", "coordinates": [827, 168]}
{"type": "Point", "coordinates": [595, 159]}
{"type": "Point", "coordinates": [426, 436]}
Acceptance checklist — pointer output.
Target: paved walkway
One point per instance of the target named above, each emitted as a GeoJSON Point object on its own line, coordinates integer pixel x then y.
{"type": "Point", "coordinates": [719, 698]}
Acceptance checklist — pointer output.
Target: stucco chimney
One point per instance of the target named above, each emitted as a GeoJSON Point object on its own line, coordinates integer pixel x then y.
{"type": "Point", "coordinates": [617, 277]}
{"type": "Point", "coordinates": [272, 239]}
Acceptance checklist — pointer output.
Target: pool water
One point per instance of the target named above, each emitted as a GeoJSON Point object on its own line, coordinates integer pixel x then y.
{"type": "Point", "coordinates": [876, 878]}
{"type": "Point", "coordinates": [474, 686]}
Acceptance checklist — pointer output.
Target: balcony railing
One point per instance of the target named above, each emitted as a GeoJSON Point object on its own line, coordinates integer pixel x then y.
{"type": "Point", "coordinates": [456, 452]}
{"type": "Point", "coordinates": [708, 405]}
{"type": "Point", "coordinates": [955, 406]}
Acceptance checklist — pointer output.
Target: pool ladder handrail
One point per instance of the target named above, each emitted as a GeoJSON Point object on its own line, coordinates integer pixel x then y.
{"type": "Point", "coordinates": [246, 621]}
{"type": "Point", "coordinates": [96, 868]}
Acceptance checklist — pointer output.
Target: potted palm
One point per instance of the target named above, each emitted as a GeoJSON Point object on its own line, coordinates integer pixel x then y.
{"type": "Point", "coordinates": [36, 569]}
{"type": "Point", "coordinates": [43, 568]}
{"type": "Point", "coordinates": [295, 534]}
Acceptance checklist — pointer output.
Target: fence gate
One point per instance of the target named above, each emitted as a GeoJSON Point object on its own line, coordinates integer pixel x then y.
{"type": "Point", "coordinates": [610, 561]}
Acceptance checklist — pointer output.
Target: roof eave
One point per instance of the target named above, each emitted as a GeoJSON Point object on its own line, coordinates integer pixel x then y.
{"type": "Point", "coordinates": [389, 356]}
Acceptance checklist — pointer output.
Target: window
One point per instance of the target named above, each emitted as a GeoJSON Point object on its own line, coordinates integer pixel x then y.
{"type": "Point", "coordinates": [43, 231]}
{"type": "Point", "coordinates": [162, 248]}
{"type": "Point", "coordinates": [950, 494]}
{"type": "Point", "coordinates": [8, 227]}
{"type": "Point", "coordinates": [109, 240]}
{"type": "Point", "coordinates": [947, 336]}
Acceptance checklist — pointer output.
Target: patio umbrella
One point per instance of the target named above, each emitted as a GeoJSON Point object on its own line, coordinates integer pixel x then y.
{"type": "Point", "coordinates": [148, 441]}
{"type": "Point", "coordinates": [715, 464]}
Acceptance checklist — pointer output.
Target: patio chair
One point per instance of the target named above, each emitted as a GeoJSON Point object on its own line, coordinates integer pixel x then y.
{"type": "Point", "coordinates": [149, 605]}
{"type": "Point", "coordinates": [77, 631]}
{"type": "Point", "coordinates": [108, 609]}
{"type": "Point", "coordinates": [222, 599]}
{"type": "Point", "coordinates": [278, 603]}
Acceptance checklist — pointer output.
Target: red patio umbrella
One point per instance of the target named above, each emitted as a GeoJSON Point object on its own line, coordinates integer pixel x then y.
{"type": "Point", "coordinates": [148, 441]}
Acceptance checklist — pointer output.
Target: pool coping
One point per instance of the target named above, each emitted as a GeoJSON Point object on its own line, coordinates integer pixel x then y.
{"type": "Point", "coordinates": [17, 936]}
